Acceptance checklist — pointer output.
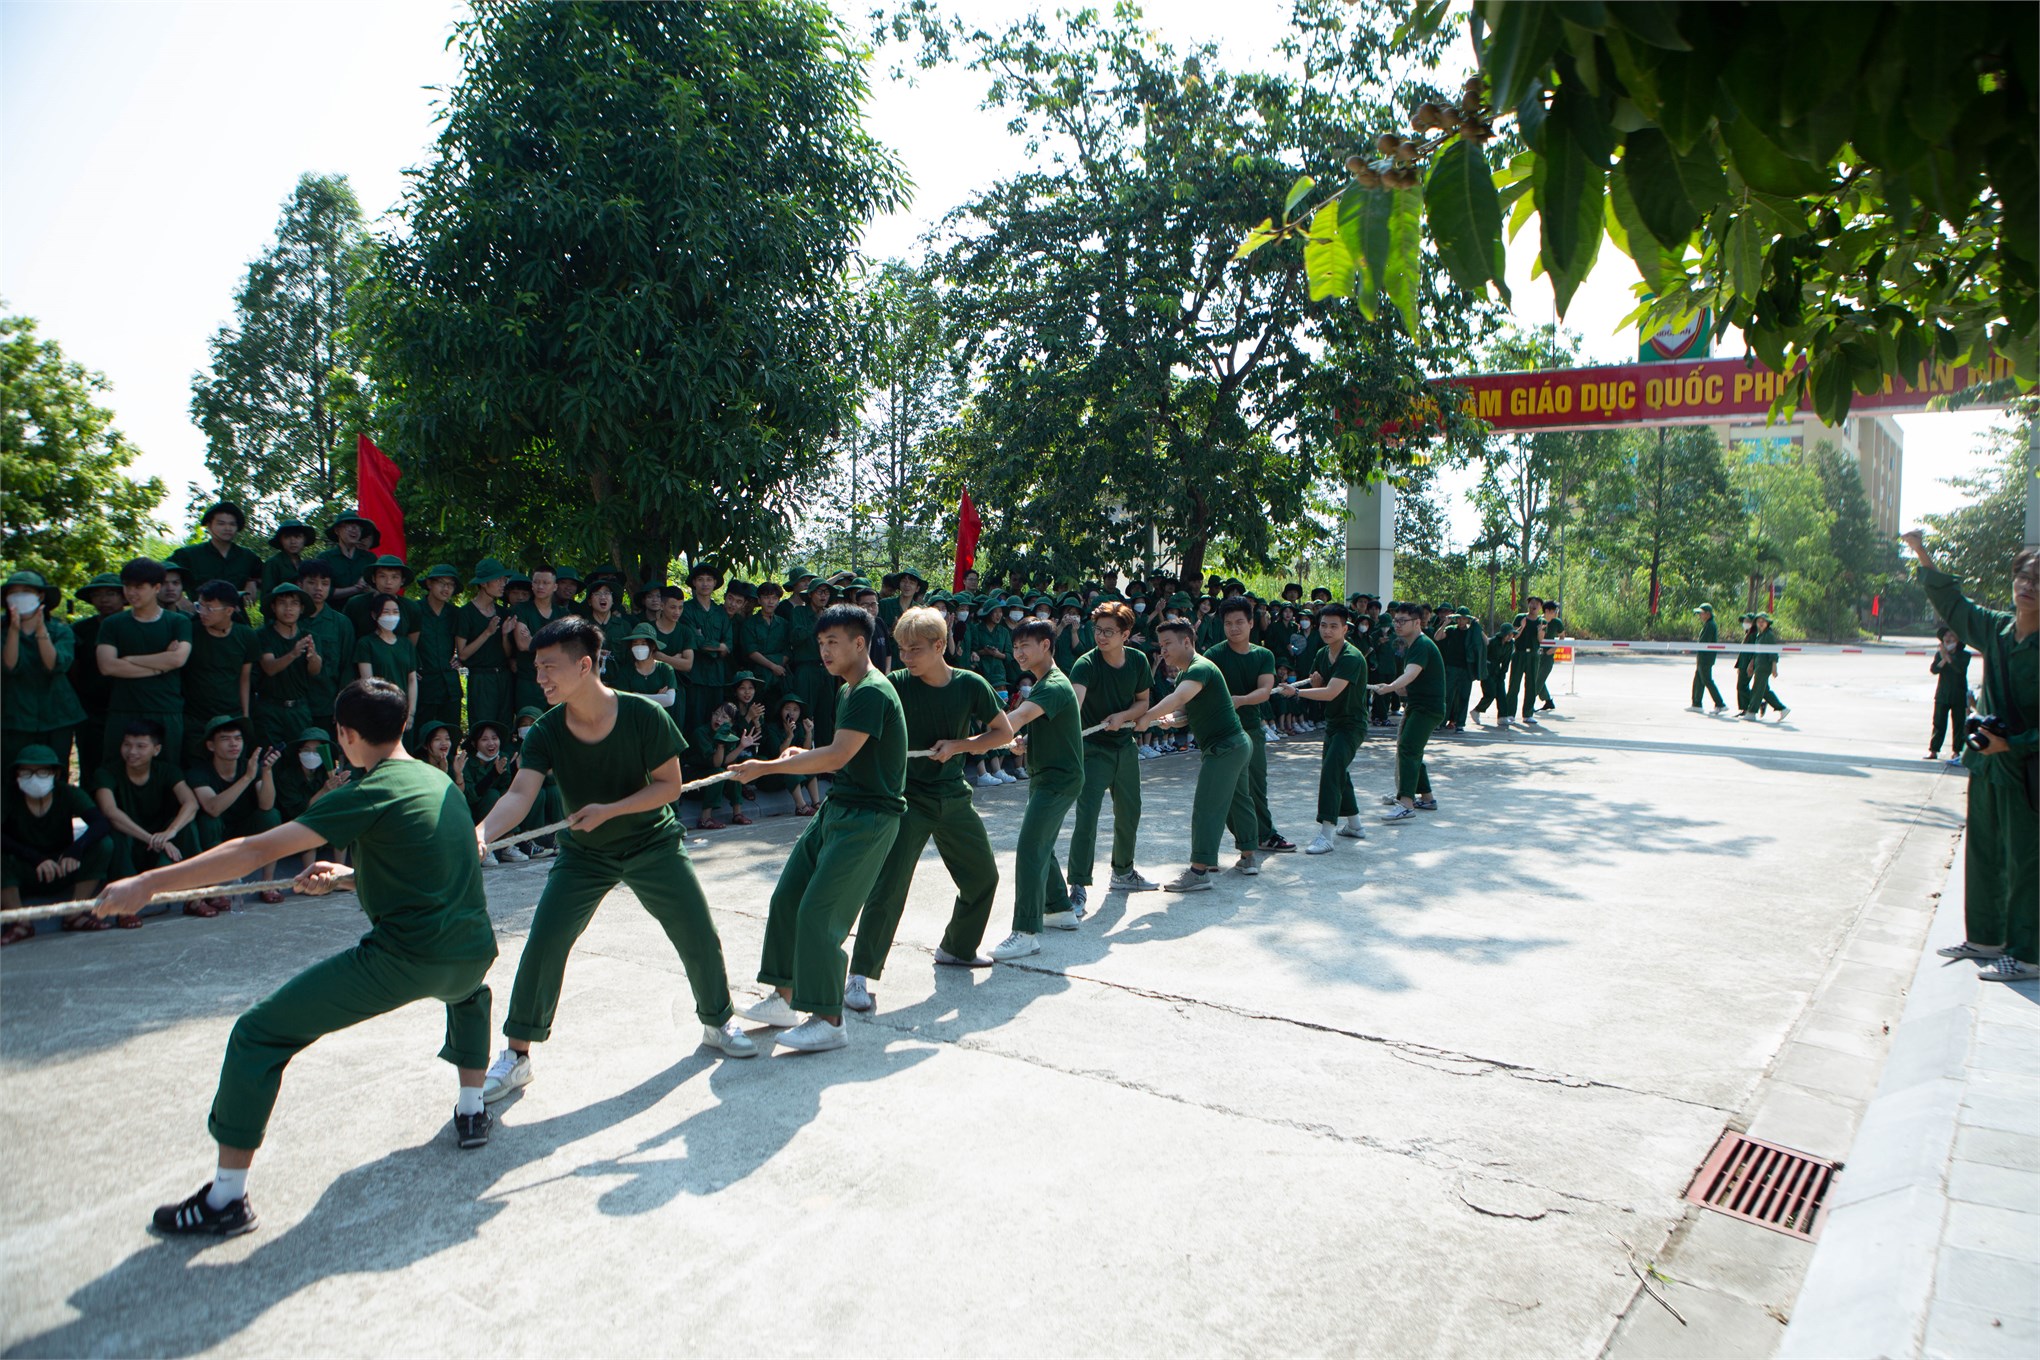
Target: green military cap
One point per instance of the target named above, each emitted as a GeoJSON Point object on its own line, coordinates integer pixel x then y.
{"type": "Point", "coordinates": [612, 572]}
{"type": "Point", "coordinates": [391, 562]}
{"type": "Point", "coordinates": [642, 633]}
{"type": "Point", "coordinates": [235, 722]}
{"type": "Point", "coordinates": [1746, 618]}
{"type": "Point", "coordinates": [368, 529]}
{"type": "Point", "coordinates": [741, 676]}
{"type": "Point", "coordinates": [28, 580]}
{"type": "Point", "coordinates": [518, 578]}
{"type": "Point", "coordinates": [240, 515]}
{"type": "Point", "coordinates": [38, 757]}
{"type": "Point", "coordinates": [441, 569]}
{"type": "Point", "coordinates": [1761, 617]}
{"type": "Point", "coordinates": [488, 570]}
{"type": "Point", "coordinates": [1704, 609]}
{"type": "Point", "coordinates": [313, 734]}
{"type": "Point", "coordinates": [786, 699]}
{"type": "Point", "coordinates": [1179, 601]}
{"type": "Point", "coordinates": [858, 583]}
{"type": "Point", "coordinates": [909, 574]}
{"type": "Point", "coordinates": [105, 580]}
{"type": "Point", "coordinates": [563, 574]}
{"type": "Point", "coordinates": [1463, 612]}
{"type": "Point", "coordinates": [708, 568]}
{"type": "Point", "coordinates": [425, 731]}
{"type": "Point", "coordinates": [502, 733]}
{"type": "Point", "coordinates": [286, 588]}
{"type": "Point", "coordinates": [798, 573]}
{"type": "Point", "coordinates": [531, 711]}
{"type": "Point", "coordinates": [742, 590]}
{"type": "Point", "coordinates": [937, 597]}
{"type": "Point", "coordinates": [1071, 597]}
{"type": "Point", "coordinates": [292, 526]}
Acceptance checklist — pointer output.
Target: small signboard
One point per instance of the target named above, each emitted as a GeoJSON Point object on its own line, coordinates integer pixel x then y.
{"type": "Point", "coordinates": [1690, 341]}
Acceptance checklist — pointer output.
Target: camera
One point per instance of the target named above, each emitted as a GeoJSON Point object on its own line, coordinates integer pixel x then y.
{"type": "Point", "coordinates": [1979, 723]}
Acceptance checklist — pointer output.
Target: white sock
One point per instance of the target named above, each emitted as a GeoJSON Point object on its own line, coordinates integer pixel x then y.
{"type": "Point", "coordinates": [470, 1100]}
{"type": "Point", "coordinates": [227, 1186]}
{"type": "Point", "coordinates": [1354, 820]}
{"type": "Point", "coordinates": [1328, 827]}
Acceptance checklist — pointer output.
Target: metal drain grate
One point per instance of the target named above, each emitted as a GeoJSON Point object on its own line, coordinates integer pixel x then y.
{"type": "Point", "coordinates": [1762, 1183]}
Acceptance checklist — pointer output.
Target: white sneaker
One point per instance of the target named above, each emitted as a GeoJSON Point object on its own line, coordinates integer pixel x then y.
{"type": "Point", "coordinates": [1247, 865]}
{"type": "Point", "coordinates": [729, 1039]}
{"type": "Point", "coordinates": [1133, 881]}
{"type": "Point", "coordinates": [1190, 880]}
{"type": "Point", "coordinates": [1693, 708]}
{"type": "Point", "coordinates": [988, 780]}
{"type": "Point", "coordinates": [1532, 722]}
{"type": "Point", "coordinates": [1350, 829]}
{"type": "Point", "coordinates": [510, 1072]}
{"type": "Point", "coordinates": [2005, 968]}
{"type": "Point", "coordinates": [815, 1035]}
{"type": "Point", "coordinates": [510, 854]}
{"type": "Point", "coordinates": [1008, 777]}
{"type": "Point", "coordinates": [1389, 800]}
{"type": "Point", "coordinates": [1320, 846]}
{"type": "Point", "coordinates": [1018, 945]}
{"type": "Point", "coordinates": [1060, 920]}
{"type": "Point", "coordinates": [1966, 950]}
{"type": "Point", "coordinates": [1400, 814]}
{"type": "Point", "coordinates": [1021, 774]}
{"type": "Point", "coordinates": [771, 1009]}
{"type": "Point", "coordinates": [857, 993]}
{"type": "Point", "coordinates": [943, 956]}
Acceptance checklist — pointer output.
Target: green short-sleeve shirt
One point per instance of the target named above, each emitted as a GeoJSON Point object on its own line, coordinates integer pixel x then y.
{"type": "Point", "coordinates": [1055, 740]}
{"type": "Point", "coordinates": [1242, 670]}
{"type": "Point", "coordinates": [962, 708]}
{"type": "Point", "coordinates": [395, 661]}
{"type": "Point", "coordinates": [1109, 690]}
{"type": "Point", "coordinates": [335, 637]}
{"type": "Point", "coordinates": [1348, 712]}
{"type": "Point", "coordinates": [470, 623]}
{"type": "Point", "coordinates": [1213, 718]}
{"type": "Point", "coordinates": [1426, 693]}
{"type": "Point", "coordinates": [348, 570]}
{"type": "Point", "coordinates": [32, 838]}
{"type": "Point", "coordinates": [151, 804]}
{"type": "Point", "coordinates": [616, 767]}
{"type": "Point", "coordinates": [201, 563]}
{"type": "Point", "coordinates": [129, 636]}
{"type": "Point", "coordinates": [295, 680]}
{"type": "Point", "coordinates": [876, 777]}
{"type": "Point", "coordinates": [438, 682]}
{"type": "Point", "coordinates": [668, 644]}
{"type": "Point", "coordinates": [212, 677]}
{"type": "Point", "coordinates": [416, 871]}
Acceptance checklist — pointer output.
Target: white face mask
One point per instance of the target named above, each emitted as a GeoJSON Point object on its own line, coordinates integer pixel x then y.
{"type": "Point", "coordinates": [963, 616]}
{"type": "Point", "coordinates": [1026, 690]}
{"type": "Point", "coordinates": [1014, 616]}
{"type": "Point", "coordinates": [24, 603]}
{"type": "Point", "coordinates": [1140, 606]}
{"type": "Point", "coordinates": [1041, 613]}
{"type": "Point", "coordinates": [311, 760]}
{"type": "Point", "coordinates": [522, 730]}
{"type": "Point", "coordinates": [641, 651]}
{"type": "Point", "coordinates": [390, 621]}
{"type": "Point", "coordinates": [37, 785]}
{"type": "Point", "coordinates": [1069, 618]}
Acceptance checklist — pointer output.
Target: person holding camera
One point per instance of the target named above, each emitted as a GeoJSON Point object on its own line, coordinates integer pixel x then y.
{"type": "Point", "coordinates": [2001, 858]}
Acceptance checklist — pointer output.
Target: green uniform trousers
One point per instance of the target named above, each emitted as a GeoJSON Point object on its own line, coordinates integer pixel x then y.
{"type": "Point", "coordinates": [1545, 661]}
{"type": "Point", "coordinates": [1948, 718]}
{"type": "Point", "coordinates": [1223, 799]}
{"type": "Point", "coordinates": [1703, 680]}
{"type": "Point", "coordinates": [2001, 868]}
{"type": "Point", "coordinates": [1113, 769]}
{"type": "Point", "coordinates": [1038, 886]}
{"type": "Point", "coordinates": [1335, 779]}
{"type": "Point", "coordinates": [366, 981]}
{"type": "Point", "coordinates": [959, 835]}
{"type": "Point", "coordinates": [828, 877]}
{"type": "Point", "coordinates": [1412, 780]}
{"type": "Point", "coordinates": [661, 875]}
{"type": "Point", "coordinates": [1523, 678]}
{"type": "Point", "coordinates": [492, 697]}
{"type": "Point", "coordinates": [131, 857]}
{"type": "Point", "coordinates": [1263, 828]}
{"type": "Point", "coordinates": [1742, 689]}
{"type": "Point", "coordinates": [1491, 690]}
{"type": "Point", "coordinates": [1761, 694]}
{"type": "Point", "coordinates": [1458, 693]}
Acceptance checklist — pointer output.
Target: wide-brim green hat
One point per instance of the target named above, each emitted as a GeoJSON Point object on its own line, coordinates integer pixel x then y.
{"type": "Point", "coordinates": [642, 633]}
{"type": "Point", "coordinates": [240, 515]}
{"type": "Point", "coordinates": [105, 580]}
{"type": "Point", "coordinates": [710, 569]}
{"type": "Point", "coordinates": [795, 574]}
{"type": "Point", "coordinates": [489, 569]}
{"type": "Point", "coordinates": [1746, 618]}
{"type": "Point", "coordinates": [391, 562]}
{"type": "Point", "coordinates": [368, 529]}
{"type": "Point", "coordinates": [909, 574]}
{"type": "Point", "coordinates": [442, 569]}
{"type": "Point", "coordinates": [425, 731]}
{"type": "Point", "coordinates": [37, 756]}
{"type": "Point", "coordinates": [786, 699]}
{"type": "Point", "coordinates": [1703, 609]}
{"type": "Point", "coordinates": [937, 597]}
{"type": "Point", "coordinates": [313, 734]}
{"type": "Point", "coordinates": [292, 526]}
{"type": "Point", "coordinates": [742, 589]}
{"type": "Point", "coordinates": [531, 711]}
{"type": "Point", "coordinates": [237, 722]}
{"type": "Point", "coordinates": [1761, 617]}
{"type": "Point", "coordinates": [51, 595]}
{"type": "Point", "coordinates": [741, 676]}
{"type": "Point", "coordinates": [475, 730]}
{"type": "Point", "coordinates": [566, 574]}
{"type": "Point", "coordinates": [285, 588]}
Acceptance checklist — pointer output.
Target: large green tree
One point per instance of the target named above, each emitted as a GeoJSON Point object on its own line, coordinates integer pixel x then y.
{"type": "Point", "coordinates": [613, 322]}
{"type": "Point", "coordinates": [275, 400]}
{"type": "Point", "coordinates": [1855, 184]}
{"type": "Point", "coordinates": [1979, 539]}
{"type": "Point", "coordinates": [68, 506]}
{"type": "Point", "coordinates": [1138, 394]}
{"type": "Point", "coordinates": [1664, 511]}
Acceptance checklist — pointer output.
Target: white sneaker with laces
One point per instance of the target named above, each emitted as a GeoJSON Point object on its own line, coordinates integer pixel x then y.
{"type": "Point", "coordinates": [1247, 865]}
{"type": "Point", "coordinates": [510, 1072]}
{"type": "Point", "coordinates": [944, 957]}
{"type": "Point", "coordinates": [1021, 774]}
{"type": "Point", "coordinates": [1060, 920]}
{"type": "Point", "coordinates": [1323, 844]}
{"type": "Point", "coordinates": [1190, 880]}
{"type": "Point", "coordinates": [1006, 777]}
{"type": "Point", "coordinates": [1399, 813]}
{"type": "Point", "coordinates": [510, 854]}
{"type": "Point", "coordinates": [1018, 945]}
{"type": "Point", "coordinates": [815, 1035]}
{"type": "Point", "coordinates": [857, 993]}
{"type": "Point", "coordinates": [729, 1039]}
{"type": "Point", "coordinates": [1133, 881]}
{"type": "Point", "coordinates": [1351, 830]}
{"type": "Point", "coordinates": [771, 1009]}
{"type": "Point", "coordinates": [988, 780]}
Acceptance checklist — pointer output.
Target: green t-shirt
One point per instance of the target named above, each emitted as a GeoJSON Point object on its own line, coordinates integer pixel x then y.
{"type": "Point", "coordinates": [348, 571]}
{"type": "Point", "coordinates": [200, 564]}
{"type": "Point", "coordinates": [711, 625]}
{"type": "Point", "coordinates": [1348, 712]}
{"type": "Point", "coordinates": [470, 623]}
{"type": "Point", "coordinates": [1213, 718]}
{"type": "Point", "coordinates": [237, 817]}
{"type": "Point", "coordinates": [876, 777]}
{"type": "Point", "coordinates": [36, 698]}
{"type": "Point", "coordinates": [151, 804]}
{"type": "Point", "coordinates": [212, 677]}
{"type": "Point", "coordinates": [962, 708]}
{"type": "Point", "coordinates": [624, 679]}
{"type": "Point", "coordinates": [129, 636]}
{"type": "Point", "coordinates": [1426, 693]}
{"type": "Point", "coordinates": [30, 838]}
{"type": "Point", "coordinates": [395, 661]}
{"type": "Point", "coordinates": [996, 637]}
{"type": "Point", "coordinates": [528, 615]}
{"type": "Point", "coordinates": [438, 682]}
{"type": "Point", "coordinates": [280, 569]}
{"type": "Point", "coordinates": [1108, 690]}
{"type": "Point", "coordinates": [771, 638]}
{"type": "Point", "coordinates": [614, 768]}
{"type": "Point", "coordinates": [1055, 743]}
{"type": "Point", "coordinates": [416, 871]}
{"type": "Point", "coordinates": [1242, 671]}
{"type": "Point", "coordinates": [295, 680]}
{"type": "Point", "coordinates": [668, 645]}
{"type": "Point", "coordinates": [335, 636]}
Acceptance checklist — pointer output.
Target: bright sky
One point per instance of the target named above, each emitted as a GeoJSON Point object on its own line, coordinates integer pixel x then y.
{"type": "Point", "coordinates": [146, 149]}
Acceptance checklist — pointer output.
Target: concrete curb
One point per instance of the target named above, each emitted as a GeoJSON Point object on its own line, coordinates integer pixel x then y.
{"type": "Point", "coordinates": [1870, 1287]}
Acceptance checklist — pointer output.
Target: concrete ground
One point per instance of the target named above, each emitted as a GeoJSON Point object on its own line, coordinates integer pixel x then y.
{"type": "Point", "coordinates": [1437, 1093]}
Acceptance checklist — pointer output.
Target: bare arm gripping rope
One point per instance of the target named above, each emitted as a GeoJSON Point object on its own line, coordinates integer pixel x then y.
{"type": "Point", "coordinates": [52, 909]}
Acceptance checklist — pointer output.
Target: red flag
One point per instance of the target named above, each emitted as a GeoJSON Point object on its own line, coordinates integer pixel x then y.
{"type": "Point", "coordinates": [1876, 605]}
{"type": "Point", "coordinates": [967, 526]}
{"type": "Point", "coordinates": [1654, 588]}
{"type": "Point", "coordinates": [376, 477]}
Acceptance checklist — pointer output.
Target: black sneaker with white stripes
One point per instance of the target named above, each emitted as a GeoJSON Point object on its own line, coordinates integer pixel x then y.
{"type": "Point", "coordinates": [195, 1218]}
{"type": "Point", "coordinates": [471, 1130]}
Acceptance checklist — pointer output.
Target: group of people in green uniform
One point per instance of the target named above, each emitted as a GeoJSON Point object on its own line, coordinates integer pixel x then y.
{"type": "Point", "coordinates": [1754, 668]}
